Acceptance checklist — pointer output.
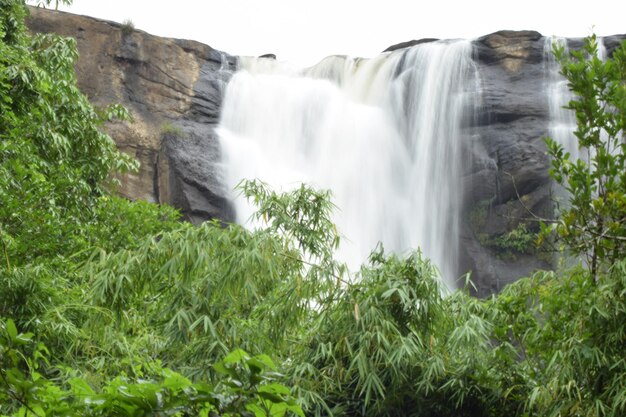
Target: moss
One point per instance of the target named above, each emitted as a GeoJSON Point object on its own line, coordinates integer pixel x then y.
{"type": "Point", "coordinates": [168, 129]}
{"type": "Point", "coordinates": [507, 246]}
{"type": "Point", "coordinates": [128, 27]}
{"type": "Point", "coordinates": [478, 217]}
{"type": "Point", "coordinates": [519, 240]}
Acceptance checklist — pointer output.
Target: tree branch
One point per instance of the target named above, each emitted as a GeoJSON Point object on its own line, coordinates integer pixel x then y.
{"type": "Point", "coordinates": [519, 198]}
{"type": "Point", "coordinates": [16, 397]}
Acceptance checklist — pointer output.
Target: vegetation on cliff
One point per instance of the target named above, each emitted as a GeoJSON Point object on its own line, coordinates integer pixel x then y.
{"type": "Point", "coordinates": [111, 307]}
{"type": "Point", "coordinates": [593, 223]}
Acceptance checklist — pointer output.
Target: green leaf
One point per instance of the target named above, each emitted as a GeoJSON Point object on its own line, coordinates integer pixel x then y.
{"type": "Point", "coordinates": [236, 356]}
{"type": "Point", "coordinates": [274, 388]}
{"type": "Point", "coordinates": [80, 387]}
{"type": "Point", "coordinates": [11, 330]}
{"type": "Point", "coordinates": [260, 363]}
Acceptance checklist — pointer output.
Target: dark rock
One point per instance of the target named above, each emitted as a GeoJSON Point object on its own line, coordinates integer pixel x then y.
{"type": "Point", "coordinates": [268, 56]}
{"type": "Point", "coordinates": [409, 44]}
{"type": "Point", "coordinates": [509, 160]}
{"type": "Point", "coordinates": [507, 182]}
{"type": "Point", "coordinates": [189, 173]}
{"type": "Point", "coordinates": [611, 43]}
{"type": "Point", "coordinates": [510, 48]}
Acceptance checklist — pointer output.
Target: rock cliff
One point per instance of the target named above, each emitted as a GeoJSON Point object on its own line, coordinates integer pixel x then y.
{"type": "Point", "coordinates": [508, 184]}
{"type": "Point", "coordinates": [174, 88]}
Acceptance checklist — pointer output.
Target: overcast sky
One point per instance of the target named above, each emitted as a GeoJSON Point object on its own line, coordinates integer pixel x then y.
{"type": "Point", "coordinates": [304, 31]}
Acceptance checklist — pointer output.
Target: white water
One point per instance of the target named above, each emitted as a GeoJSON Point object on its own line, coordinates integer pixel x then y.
{"type": "Point", "coordinates": [383, 134]}
{"type": "Point", "coordinates": [563, 121]}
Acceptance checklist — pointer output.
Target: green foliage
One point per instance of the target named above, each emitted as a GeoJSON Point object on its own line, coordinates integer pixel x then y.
{"type": "Point", "coordinates": [593, 225]}
{"type": "Point", "coordinates": [250, 384]}
{"type": "Point", "coordinates": [206, 288]}
{"type": "Point", "coordinates": [520, 240]}
{"type": "Point", "coordinates": [121, 224]}
{"type": "Point", "coordinates": [54, 161]}
{"type": "Point", "coordinates": [127, 312]}
{"type": "Point", "coordinates": [196, 293]}
{"type": "Point", "coordinates": [249, 387]}
{"type": "Point", "coordinates": [302, 216]}
{"type": "Point", "coordinates": [44, 3]}
{"type": "Point", "coordinates": [569, 333]}
{"type": "Point", "coordinates": [128, 27]}
{"type": "Point", "coordinates": [168, 129]}
{"type": "Point", "coordinates": [367, 346]}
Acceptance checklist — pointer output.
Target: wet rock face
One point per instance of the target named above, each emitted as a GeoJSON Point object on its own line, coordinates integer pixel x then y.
{"type": "Point", "coordinates": [507, 182]}
{"type": "Point", "coordinates": [173, 90]}
{"type": "Point", "coordinates": [507, 185]}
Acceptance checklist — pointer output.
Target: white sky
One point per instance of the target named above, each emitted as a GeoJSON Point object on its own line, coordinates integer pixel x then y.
{"type": "Point", "coordinates": [304, 31]}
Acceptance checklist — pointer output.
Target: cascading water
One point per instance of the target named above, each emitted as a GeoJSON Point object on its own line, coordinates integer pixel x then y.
{"type": "Point", "coordinates": [384, 134]}
{"type": "Point", "coordinates": [563, 121]}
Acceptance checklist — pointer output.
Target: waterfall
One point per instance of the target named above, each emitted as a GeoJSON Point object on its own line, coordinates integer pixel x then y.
{"type": "Point", "coordinates": [383, 134]}
{"type": "Point", "coordinates": [563, 121]}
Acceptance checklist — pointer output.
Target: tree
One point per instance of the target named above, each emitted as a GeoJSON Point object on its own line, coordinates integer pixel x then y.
{"type": "Point", "coordinates": [44, 3]}
{"type": "Point", "coordinates": [54, 160]}
{"type": "Point", "coordinates": [594, 224]}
